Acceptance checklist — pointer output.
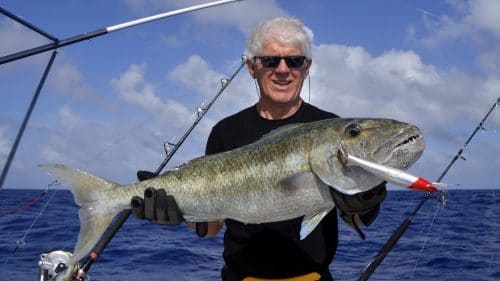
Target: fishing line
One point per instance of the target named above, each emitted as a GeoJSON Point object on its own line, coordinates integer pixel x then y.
{"type": "Point", "coordinates": [438, 207]}
{"type": "Point", "coordinates": [24, 206]}
{"type": "Point", "coordinates": [494, 252]}
{"type": "Point", "coordinates": [21, 242]}
{"type": "Point", "coordinates": [123, 216]}
{"type": "Point", "coordinates": [309, 89]}
{"type": "Point", "coordinates": [483, 131]}
{"type": "Point", "coordinates": [88, 35]}
{"type": "Point", "coordinates": [398, 233]}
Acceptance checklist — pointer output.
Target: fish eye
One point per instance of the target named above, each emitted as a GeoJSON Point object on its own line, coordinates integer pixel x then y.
{"type": "Point", "coordinates": [353, 130]}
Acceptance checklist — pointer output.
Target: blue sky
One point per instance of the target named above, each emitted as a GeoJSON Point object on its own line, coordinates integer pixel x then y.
{"type": "Point", "coordinates": [110, 103]}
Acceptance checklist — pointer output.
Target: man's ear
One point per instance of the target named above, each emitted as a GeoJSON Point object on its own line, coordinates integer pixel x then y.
{"type": "Point", "coordinates": [251, 68]}
{"type": "Point", "coordinates": [308, 66]}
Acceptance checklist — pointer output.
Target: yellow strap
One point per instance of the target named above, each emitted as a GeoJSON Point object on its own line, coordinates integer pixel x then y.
{"type": "Point", "coordinates": [313, 276]}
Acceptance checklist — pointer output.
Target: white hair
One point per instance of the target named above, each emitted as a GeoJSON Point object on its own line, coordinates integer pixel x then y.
{"type": "Point", "coordinates": [283, 30]}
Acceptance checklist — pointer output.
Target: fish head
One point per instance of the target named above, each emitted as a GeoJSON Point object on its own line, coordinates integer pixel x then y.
{"type": "Point", "coordinates": [383, 141]}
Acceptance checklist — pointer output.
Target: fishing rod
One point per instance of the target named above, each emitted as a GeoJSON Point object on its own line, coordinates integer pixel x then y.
{"type": "Point", "coordinates": [56, 264]}
{"type": "Point", "coordinates": [200, 112]}
{"type": "Point", "coordinates": [391, 242]}
{"type": "Point", "coordinates": [99, 32]}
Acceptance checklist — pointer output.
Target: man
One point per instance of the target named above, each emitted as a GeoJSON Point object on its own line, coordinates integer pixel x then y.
{"type": "Point", "coordinates": [279, 58]}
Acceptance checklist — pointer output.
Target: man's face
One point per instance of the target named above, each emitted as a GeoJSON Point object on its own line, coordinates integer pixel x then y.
{"type": "Point", "coordinates": [279, 85]}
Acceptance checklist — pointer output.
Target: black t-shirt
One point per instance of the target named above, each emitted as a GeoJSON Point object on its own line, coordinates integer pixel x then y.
{"type": "Point", "coordinates": [271, 250]}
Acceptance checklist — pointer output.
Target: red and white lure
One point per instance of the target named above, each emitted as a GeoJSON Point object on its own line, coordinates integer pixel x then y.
{"type": "Point", "coordinates": [394, 175]}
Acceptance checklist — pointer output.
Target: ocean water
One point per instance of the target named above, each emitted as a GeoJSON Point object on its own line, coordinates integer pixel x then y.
{"type": "Point", "coordinates": [458, 242]}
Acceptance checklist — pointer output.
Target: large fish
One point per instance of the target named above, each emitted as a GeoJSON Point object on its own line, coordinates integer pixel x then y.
{"type": "Point", "coordinates": [284, 175]}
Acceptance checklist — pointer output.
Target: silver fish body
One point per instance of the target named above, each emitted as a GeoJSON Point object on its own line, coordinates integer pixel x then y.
{"type": "Point", "coordinates": [284, 175]}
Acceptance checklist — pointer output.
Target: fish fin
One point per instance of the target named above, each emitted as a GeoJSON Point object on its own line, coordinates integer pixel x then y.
{"type": "Point", "coordinates": [326, 163]}
{"type": "Point", "coordinates": [310, 221]}
{"type": "Point", "coordinates": [282, 130]}
{"type": "Point", "coordinates": [297, 181]}
{"type": "Point", "coordinates": [94, 214]}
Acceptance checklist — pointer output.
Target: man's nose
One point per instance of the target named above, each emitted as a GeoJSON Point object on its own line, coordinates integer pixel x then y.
{"type": "Point", "coordinates": [282, 67]}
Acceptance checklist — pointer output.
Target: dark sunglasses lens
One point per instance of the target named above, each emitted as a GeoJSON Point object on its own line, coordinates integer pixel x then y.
{"type": "Point", "coordinates": [291, 61]}
{"type": "Point", "coordinates": [270, 61]}
{"type": "Point", "coordinates": [295, 61]}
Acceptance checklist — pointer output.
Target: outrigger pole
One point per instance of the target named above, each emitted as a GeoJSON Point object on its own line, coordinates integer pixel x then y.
{"type": "Point", "coordinates": [27, 116]}
{"type": "Point", "coordinates": [88, 35]}
{"type": "Point", "coordinates": [391, 242]}
{"type": "Point", "coordinates": [75, 39]}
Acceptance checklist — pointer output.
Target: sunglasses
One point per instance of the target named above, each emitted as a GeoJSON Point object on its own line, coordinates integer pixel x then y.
{"type": "Point", "coordinates": [274, 61]}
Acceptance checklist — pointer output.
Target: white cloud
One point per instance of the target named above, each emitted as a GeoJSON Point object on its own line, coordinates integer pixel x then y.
{"type": "Point", "coordinates": [5, 144]}
{"type": "Point", "coordinates": [445, 104]}
{"type": "Point", "coordinates": [241, 14]}
{"type": "Point", "coordinates": [490, 60]}
{"type": "Point", "coordinates": [196, 74]}
{"type": "Point", "coordinates": [67, 80]}
{"type": "Point", "coordinates": [19, 37]}
{"type": "Point", "coordinates": [476, 18]}
{"type": "Point", "coordinates": [396, 84]}
{"type": "Point", "coordinates": [484, 15]}
{"type": "Point", "coordinates": [472, 25]}
{"type": "Point", "coordinates": [6, 147]}
{"type": "Point", "coordinates": [132, 88]}
{"type": "Point", "coordinates": [112, 150]}
{"type": "Point", "coordinates": [171, 41]}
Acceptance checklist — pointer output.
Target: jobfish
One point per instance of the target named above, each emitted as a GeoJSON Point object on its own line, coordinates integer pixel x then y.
{"type": "Point", "coordinates": [284, 175]}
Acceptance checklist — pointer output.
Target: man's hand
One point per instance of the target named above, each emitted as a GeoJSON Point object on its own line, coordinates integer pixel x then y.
{"type": "Point", "coordinates": [157, 206]}
{"type": "Point", "coordinates": [360, 208]}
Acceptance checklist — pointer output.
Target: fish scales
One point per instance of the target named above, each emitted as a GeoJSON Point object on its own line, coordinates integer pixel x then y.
{"type": "Point", "coordinates": [247, 177]}
{"type": "Point", "coordinates": [286, 174]}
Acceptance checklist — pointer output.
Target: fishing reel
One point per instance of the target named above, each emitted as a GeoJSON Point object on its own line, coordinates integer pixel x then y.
{"type": "Point", "coordinates": [54, 267]}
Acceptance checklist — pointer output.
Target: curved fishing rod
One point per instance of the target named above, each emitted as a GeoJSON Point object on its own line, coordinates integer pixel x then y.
{"type": "Point", "coordinates": [89, 35]}
{"type": "Point", "coordinates": [391, 242]}
{"type": "Point", "coordinates": [123, 216]}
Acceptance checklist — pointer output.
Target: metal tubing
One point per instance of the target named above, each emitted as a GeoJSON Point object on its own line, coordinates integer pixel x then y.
{"type": "Point", "coordinates": [51, 46]}
{"type": "Point", "coordinates": [167, 14]}
{"type": "Point", "coordinates": [25, 121]}
{"type": "Point", "coordinates": [27, 24]}
{"type": "Point", "coordinates": [99, 32]}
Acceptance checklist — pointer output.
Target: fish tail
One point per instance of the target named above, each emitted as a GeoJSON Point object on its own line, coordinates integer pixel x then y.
{"type": "Point", "coordinates": [95, 215]}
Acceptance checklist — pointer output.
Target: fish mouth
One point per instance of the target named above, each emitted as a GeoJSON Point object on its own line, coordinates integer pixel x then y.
{"type": "Point", "coordinates": [403, 150]}
{"type": "Point", "coordinates": [411, 141]}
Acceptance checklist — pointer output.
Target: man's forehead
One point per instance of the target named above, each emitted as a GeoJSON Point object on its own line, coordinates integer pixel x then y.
{"type": "Point", "coordinates": [272, 46]}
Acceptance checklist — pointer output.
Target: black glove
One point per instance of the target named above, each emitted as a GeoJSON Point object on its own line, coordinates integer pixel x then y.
{"type": "Point", "coordinates": [139, 210]}
{"type": "Point", "coordinates": [157, 207]}
{"type": "Point", "coordinates": [360, 208]}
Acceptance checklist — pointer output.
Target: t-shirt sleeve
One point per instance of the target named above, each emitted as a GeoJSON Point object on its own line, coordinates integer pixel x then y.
{"type": "Point", "coordinates": [214, 142]}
